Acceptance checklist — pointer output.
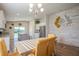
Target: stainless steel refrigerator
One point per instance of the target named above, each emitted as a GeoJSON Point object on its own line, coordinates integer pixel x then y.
{"type": "Point", "coordinates": [42, 31]}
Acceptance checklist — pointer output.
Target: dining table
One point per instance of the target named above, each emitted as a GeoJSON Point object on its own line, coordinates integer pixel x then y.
{"type": "Point", "coordinates": [24, 47]}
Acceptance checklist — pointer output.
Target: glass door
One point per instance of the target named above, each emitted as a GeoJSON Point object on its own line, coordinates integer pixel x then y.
{"type": "Point", "coordinates": [17, 31]}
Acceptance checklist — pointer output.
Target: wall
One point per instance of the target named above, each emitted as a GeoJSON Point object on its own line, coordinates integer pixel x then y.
{"type": "Point", "coordinates": [68, 33]}
{"type": "Point", "coordinates": [31, 28]}
{"type": "Point", "coordinates": [16, 23]}
{"type": "Point", "coordinates": [11, 31]}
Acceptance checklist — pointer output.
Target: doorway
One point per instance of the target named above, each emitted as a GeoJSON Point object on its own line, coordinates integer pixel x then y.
{"type": "Point", "coordinates": [17, 31]}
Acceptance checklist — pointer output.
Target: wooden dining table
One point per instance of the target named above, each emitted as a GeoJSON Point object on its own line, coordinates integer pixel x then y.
{"type": "Point", "coordinates": [26, 46]}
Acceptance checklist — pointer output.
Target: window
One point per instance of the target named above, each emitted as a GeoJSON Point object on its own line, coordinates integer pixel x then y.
{"type": "Point", "coordinates": [17, 31]}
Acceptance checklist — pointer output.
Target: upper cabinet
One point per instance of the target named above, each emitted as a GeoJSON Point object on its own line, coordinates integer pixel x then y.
{"type": "Point", "coordinates": [2, 20]}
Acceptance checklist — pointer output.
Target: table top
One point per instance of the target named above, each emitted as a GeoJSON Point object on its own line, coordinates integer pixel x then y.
{"type": "Point", "coordinates": [25, 46]}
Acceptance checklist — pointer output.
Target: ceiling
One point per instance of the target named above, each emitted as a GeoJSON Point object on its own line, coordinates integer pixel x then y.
{"type": "Point", "coordinates": [21, 10]}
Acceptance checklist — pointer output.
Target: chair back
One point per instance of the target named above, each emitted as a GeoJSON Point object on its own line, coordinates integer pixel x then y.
{"type": "Point", "coordinates": [41, 48]}
{"type": "Point", "coordinates": [3, 48]}
{"type": "Point", "coordinates": [51, 44]}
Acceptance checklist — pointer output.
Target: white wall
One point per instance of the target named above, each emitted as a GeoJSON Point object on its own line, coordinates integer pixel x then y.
{"type": "Point", "coordinates": [69, 33]}
{"type": "Point", "coordinates": [31, 28]}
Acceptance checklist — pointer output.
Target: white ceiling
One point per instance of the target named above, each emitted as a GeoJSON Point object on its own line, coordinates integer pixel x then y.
{"type": "Point", "coordinates": [12, 9]}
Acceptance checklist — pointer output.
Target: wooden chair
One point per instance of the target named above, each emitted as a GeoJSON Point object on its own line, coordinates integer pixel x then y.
{"type": "Point", "coordinates": [4, 51]}
{"type": "Point", "coordinates": [41, 48]}
{"type": "Point", "coordinates": [51, 44]}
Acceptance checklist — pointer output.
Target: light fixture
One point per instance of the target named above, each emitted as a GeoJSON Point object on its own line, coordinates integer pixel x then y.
{"type": "Point", "coordinates": [31, 5]}
{"type": "Point", "coordinates": [35, 9]}
{"type": "Point", "coordinates": [30, 10]}
{"type": "Point", "coordinates": [42, 9]}
{"type": "Point", "coordinates": [39, 5]}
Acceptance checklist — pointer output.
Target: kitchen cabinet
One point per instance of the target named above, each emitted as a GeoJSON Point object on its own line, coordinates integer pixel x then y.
{"type": "Point", "coordinates": [2, 20]}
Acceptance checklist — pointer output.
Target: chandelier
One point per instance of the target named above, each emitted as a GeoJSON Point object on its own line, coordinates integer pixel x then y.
{"type": "Point", "coordinates": [36, 8]}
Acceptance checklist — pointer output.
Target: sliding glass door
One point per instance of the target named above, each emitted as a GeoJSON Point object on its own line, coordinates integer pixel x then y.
{"type": "Point", "coordinates": [17, 31]}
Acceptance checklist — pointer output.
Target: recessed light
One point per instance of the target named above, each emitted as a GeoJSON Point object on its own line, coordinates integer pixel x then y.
{"type": "Point", "coordinates": [42, 9]}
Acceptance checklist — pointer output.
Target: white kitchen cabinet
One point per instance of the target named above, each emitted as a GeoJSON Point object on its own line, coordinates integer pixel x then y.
{"type": "Point", "coordinates": [2, 20]}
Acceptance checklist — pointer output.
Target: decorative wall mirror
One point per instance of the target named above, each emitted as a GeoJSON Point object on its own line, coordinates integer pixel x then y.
{"type": "Point", "coordinates": [57, 22]}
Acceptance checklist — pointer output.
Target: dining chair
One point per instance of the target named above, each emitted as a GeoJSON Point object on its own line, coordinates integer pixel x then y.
{"type": "Point", "coordinates": [4, 51]}
{"type": "Point", "coordinates": [51, 44]}
{"type": "Point", "coordinates": [41, 48]}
